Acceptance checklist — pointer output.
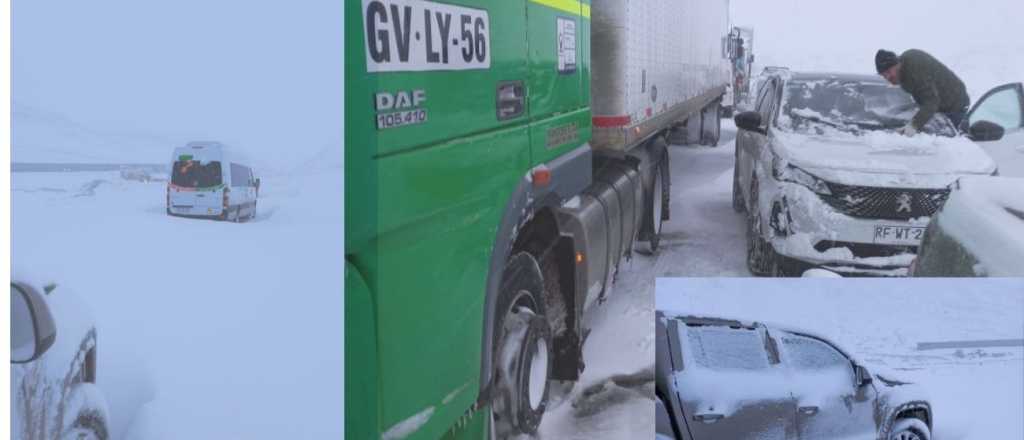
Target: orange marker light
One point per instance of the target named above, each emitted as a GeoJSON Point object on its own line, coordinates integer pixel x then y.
{"type": "Point", "coordinates": [579, 257]}
{"type": "Point", "coordinates": [541, 176]}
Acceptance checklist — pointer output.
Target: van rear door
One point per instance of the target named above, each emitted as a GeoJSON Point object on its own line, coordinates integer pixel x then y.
{"type": "Point", "coordinates": [196, 187]}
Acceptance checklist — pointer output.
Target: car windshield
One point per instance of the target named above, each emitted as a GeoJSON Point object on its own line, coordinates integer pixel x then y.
{"type": "Point", "coordinates": [195, 174]}
{"type": "Point", "coordinates": [813, 106]}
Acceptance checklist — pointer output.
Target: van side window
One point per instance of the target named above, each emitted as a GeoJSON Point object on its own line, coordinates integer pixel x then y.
{"type": "Point", "coordinates": [239, 175]}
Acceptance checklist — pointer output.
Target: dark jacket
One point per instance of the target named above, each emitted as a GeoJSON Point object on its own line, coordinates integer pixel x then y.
{"type": "Point", "coordinates": [932, 84]}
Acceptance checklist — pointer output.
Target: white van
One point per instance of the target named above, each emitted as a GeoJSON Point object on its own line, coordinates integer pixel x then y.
{"type": "Point", "coordinates": [206, 181]}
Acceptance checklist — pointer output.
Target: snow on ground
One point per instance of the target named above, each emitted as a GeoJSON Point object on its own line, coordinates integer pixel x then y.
{"type": "Point", "coordinates": [614, 397]}
{"type": "Point", "coordinates": [975, 393]}
{"type": "Point", "coordinates": [206, 329]}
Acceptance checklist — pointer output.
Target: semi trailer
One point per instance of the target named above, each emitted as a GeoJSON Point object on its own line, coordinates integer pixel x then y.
{"type": "Point", "coordinates": [502, 158]}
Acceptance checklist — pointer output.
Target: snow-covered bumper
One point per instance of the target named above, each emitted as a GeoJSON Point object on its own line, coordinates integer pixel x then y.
{"type": "Point", "coordinates": [195, 211]}
{"type": "Point", "coordinates": [830, 229]}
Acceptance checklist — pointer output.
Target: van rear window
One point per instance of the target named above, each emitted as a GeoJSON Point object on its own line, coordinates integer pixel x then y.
{"type": "Point", "coordinates": [194, 174]}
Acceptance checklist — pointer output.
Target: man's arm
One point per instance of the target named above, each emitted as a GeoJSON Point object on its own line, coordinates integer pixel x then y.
{"type": "Point", "coordinates": [927, 96]}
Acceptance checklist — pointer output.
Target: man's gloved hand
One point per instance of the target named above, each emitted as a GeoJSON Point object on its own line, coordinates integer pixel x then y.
{"type": "Point", "coordinates": [907, 130]}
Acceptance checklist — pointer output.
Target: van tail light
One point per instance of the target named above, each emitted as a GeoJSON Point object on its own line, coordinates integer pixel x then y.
{"type": "Point", "coordinates": [226, 191]}
{"type": "Point", "coordinates": [168, 196]}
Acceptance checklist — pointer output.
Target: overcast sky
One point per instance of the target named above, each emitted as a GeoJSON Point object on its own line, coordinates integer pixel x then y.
{"type": "Point", "coordinates": [264, 76]}
{"type": "Point", "coordinates": [979, 39]}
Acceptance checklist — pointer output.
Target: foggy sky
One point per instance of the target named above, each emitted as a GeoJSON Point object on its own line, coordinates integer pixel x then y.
{"type": "Point", "coordinates": [266, 77]}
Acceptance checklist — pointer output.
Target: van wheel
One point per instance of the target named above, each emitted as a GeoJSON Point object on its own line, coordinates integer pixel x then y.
{"type": "Point", "coordinates": [523, 350]}
{"type": "Point", "coordinates": [89, 425]}
{"type": "Point", "coordinates": [760, 254]}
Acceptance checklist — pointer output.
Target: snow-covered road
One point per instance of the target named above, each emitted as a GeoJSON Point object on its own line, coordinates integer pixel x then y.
{"type": "Point", "coordinates": [205, 329]}
{"type": "Point", "coordinates": [975, 393]}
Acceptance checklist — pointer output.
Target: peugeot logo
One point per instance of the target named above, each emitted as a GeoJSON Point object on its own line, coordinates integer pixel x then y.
{"type": "Point", "coordinates": [903, 202]}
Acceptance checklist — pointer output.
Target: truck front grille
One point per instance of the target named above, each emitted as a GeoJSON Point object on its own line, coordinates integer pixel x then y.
{"type": "Point", "coordinates": [885, 203]}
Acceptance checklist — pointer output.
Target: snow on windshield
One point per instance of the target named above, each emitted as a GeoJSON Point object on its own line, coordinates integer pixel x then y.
{"type": "Point", "coordinates": [847, 105]}
{"type": "Point", "coordinates": [727, 348]}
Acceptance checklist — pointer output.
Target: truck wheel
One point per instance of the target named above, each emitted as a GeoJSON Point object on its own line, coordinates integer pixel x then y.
{"type": "Point", "coordinates": [910, 429]}
{"type": "Point", "coordinates": [657, 202]}
{"type": "Point", "coordinates": [523, 350]}
{"type": "Point", "coordinates": [89, 425]}
{"type": "Point", "coordinates": [760, 255]}
{"type": "Point", "coordinates": [711, 125]}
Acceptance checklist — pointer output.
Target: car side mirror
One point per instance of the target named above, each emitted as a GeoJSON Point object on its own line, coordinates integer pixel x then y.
{"type": "Point", "coordinates": [749, 121]}
{"type": "Point", "coordinates": [863, 376]}
{"type": "Point", "coordinates": [32, 327]}
{"type": "Point", "coordinates": [985, 131]}
{"type": "Point", "coordinates": [662, 422]}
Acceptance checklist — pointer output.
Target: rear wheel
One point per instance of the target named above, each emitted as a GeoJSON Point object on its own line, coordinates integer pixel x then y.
{"type": "Point", "coordinates": [89, 425]}
{"type": "Point", "coordinates": [657, 201]}
{"type": "Point", "coordinates": [522, 355]}
{"type": "Point", "coordinates": [711, 125]}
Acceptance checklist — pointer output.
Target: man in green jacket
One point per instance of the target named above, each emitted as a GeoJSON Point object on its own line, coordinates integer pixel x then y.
{"type": "Point", "coordinates": [931, 83]}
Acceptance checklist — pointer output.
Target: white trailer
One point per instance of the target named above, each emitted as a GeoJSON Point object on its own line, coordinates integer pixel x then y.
{"type": "Point", "coordinates": [657, 63]}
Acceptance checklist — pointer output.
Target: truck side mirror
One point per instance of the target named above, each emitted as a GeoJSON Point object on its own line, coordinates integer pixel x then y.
{"type": "Point", "coordinates": [32, 327]}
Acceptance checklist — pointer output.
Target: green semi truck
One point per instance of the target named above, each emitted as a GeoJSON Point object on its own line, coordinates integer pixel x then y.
{"type": "Point", "coordinates": [502, 157]}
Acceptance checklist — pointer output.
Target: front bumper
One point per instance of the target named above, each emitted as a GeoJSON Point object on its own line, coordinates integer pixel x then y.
{"type": "Point", "coordinates": [806, 232]}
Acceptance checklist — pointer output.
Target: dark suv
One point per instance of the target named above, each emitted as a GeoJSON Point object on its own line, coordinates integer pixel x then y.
{"type": "Point", "coordinates": [725, 379]}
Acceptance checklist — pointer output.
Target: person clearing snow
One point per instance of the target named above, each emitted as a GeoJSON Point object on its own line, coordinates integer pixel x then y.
{"type": "Point", "coordinates": [935, 87]}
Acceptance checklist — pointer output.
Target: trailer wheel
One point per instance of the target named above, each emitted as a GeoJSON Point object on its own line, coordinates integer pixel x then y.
{"type": "Point", "coordinates": [656, 212]}
{"type": "Point", "coordinates": [761, 258]}
{"type": "Point", "coordinates": [523, 350]}
{"type": "Point", "coordinates": [711, 125]}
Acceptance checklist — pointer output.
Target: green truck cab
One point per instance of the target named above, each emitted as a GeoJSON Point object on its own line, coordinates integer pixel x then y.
{"type": "Point", "coordinates": [479, 222]}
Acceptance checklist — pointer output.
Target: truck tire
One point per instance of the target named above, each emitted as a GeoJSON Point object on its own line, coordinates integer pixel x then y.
{"type": "Point", "coordinates": [761, 258]}
{"type": "Point", "coordinates": [523, 350]}
{"type": "Point", "coordinates": [711, 125]}
{"type": "Point", "coordinates": [693, 128]}
{"type": "Point", "coordinates": [656, 208]}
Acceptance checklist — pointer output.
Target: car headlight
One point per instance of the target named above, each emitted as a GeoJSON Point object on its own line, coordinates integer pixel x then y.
{"type": "Point", "coordinates": [789, 173]}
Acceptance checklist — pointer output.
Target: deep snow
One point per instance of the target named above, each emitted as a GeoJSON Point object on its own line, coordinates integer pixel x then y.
{"type": "Point", "coordinates": [975, 393]}
{"type": "Point", "coordinates": [205, 329]}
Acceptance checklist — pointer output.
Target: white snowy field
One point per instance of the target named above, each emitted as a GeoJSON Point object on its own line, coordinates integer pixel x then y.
{"type": "Point", "coordinates": [206, 329]}
{"type": "Point", "coordinates": [975, 393]}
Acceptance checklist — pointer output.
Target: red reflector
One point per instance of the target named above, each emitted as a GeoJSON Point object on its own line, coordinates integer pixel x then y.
{"type": "Point", "coordinates": [610, 121]}
{"type": "Point", "coordinates": [541, 176]}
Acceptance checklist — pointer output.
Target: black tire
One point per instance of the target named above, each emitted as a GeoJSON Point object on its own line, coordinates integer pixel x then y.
{"type": "Point", "coordinates": [910, 429]}
{"type": "Point", "coordinates": [522, 350]}
{"type": "Point", "coordinates": [89, 425]}
{"type": "Point", "coordinates": [711, 125]}
{"type": "Point", "coordinates": [656, 208]}
{"type": "Point", "coordinates": [737, 191]}
{"type": "Point", "coordinates": [761, 258]}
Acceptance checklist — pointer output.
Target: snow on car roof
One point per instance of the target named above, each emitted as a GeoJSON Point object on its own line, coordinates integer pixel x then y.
{"type": "Point", "coordinates": [813, 76]}
{"type": "Point", "coordinates": [984, 214]}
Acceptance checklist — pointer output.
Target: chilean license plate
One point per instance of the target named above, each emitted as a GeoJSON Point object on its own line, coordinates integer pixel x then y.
{"type": "Point", "coordinates": [419, 35]}
{"type": "Point", "coordinates": [910, 235]}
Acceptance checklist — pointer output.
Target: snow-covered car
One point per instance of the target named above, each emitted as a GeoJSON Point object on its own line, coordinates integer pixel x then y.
{"type": "Point", "coordinates": [978, 232]}
{"type": "Point", "coordinates": [1004, 106]}
{"type": "Point", "coordinates": [53, 365]}
{"type": "Point", "coordinates": [726, 379]}
{"type": "Point", "coordinates": [826, 181]}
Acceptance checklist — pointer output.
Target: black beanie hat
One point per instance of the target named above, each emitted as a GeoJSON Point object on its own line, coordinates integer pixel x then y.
{"type": "Point", "coordinates": [885, 59]}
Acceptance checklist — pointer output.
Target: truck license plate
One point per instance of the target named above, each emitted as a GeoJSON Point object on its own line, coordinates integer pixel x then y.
{"type": "Point", "coordinates": [419, 35]}
{"type": "Point", "coordinates": [910, 235]}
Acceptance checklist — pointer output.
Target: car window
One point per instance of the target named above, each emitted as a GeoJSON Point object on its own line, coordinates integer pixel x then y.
{"type": "Point", "coordinates": [810, 354]}
{"type": "Point", "coordinates": [726, 347]}
{"type": "Point", "coordinates": [1002, 107]}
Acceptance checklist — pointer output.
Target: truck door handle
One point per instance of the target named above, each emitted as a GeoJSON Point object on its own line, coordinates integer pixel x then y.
{"type": "Point", "coordinates": [708, 417]}
{"type": "Point", "coordinates": [808, 410]}
{"type": "Point", "coordinates": [510, 99]}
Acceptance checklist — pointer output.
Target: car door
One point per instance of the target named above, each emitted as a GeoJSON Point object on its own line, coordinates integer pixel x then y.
{"type": "Point", "coordinates": [732, 385]}
{"type": "Point", "coordinates": [748, 142]}
{"type": "Point", "coordinates": [1003, 105]}
{"type": "Point", "coordinates": [829, 402]}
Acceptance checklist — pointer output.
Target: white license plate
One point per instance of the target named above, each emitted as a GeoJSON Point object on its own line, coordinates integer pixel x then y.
{"type": "Point", "coordinates": [909, 235]}
{"type": "Point", "coordinates": [419, 35]}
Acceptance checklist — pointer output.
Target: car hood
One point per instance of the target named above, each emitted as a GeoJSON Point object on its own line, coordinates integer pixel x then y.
{"type": "Point", "coordinates": [883, 159]}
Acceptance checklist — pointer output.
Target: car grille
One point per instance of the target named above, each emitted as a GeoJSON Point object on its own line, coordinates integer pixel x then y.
{"type": "Point", "coordinates": [885, 203]}
{"type": "Point", "coordinates": [866, 250]}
